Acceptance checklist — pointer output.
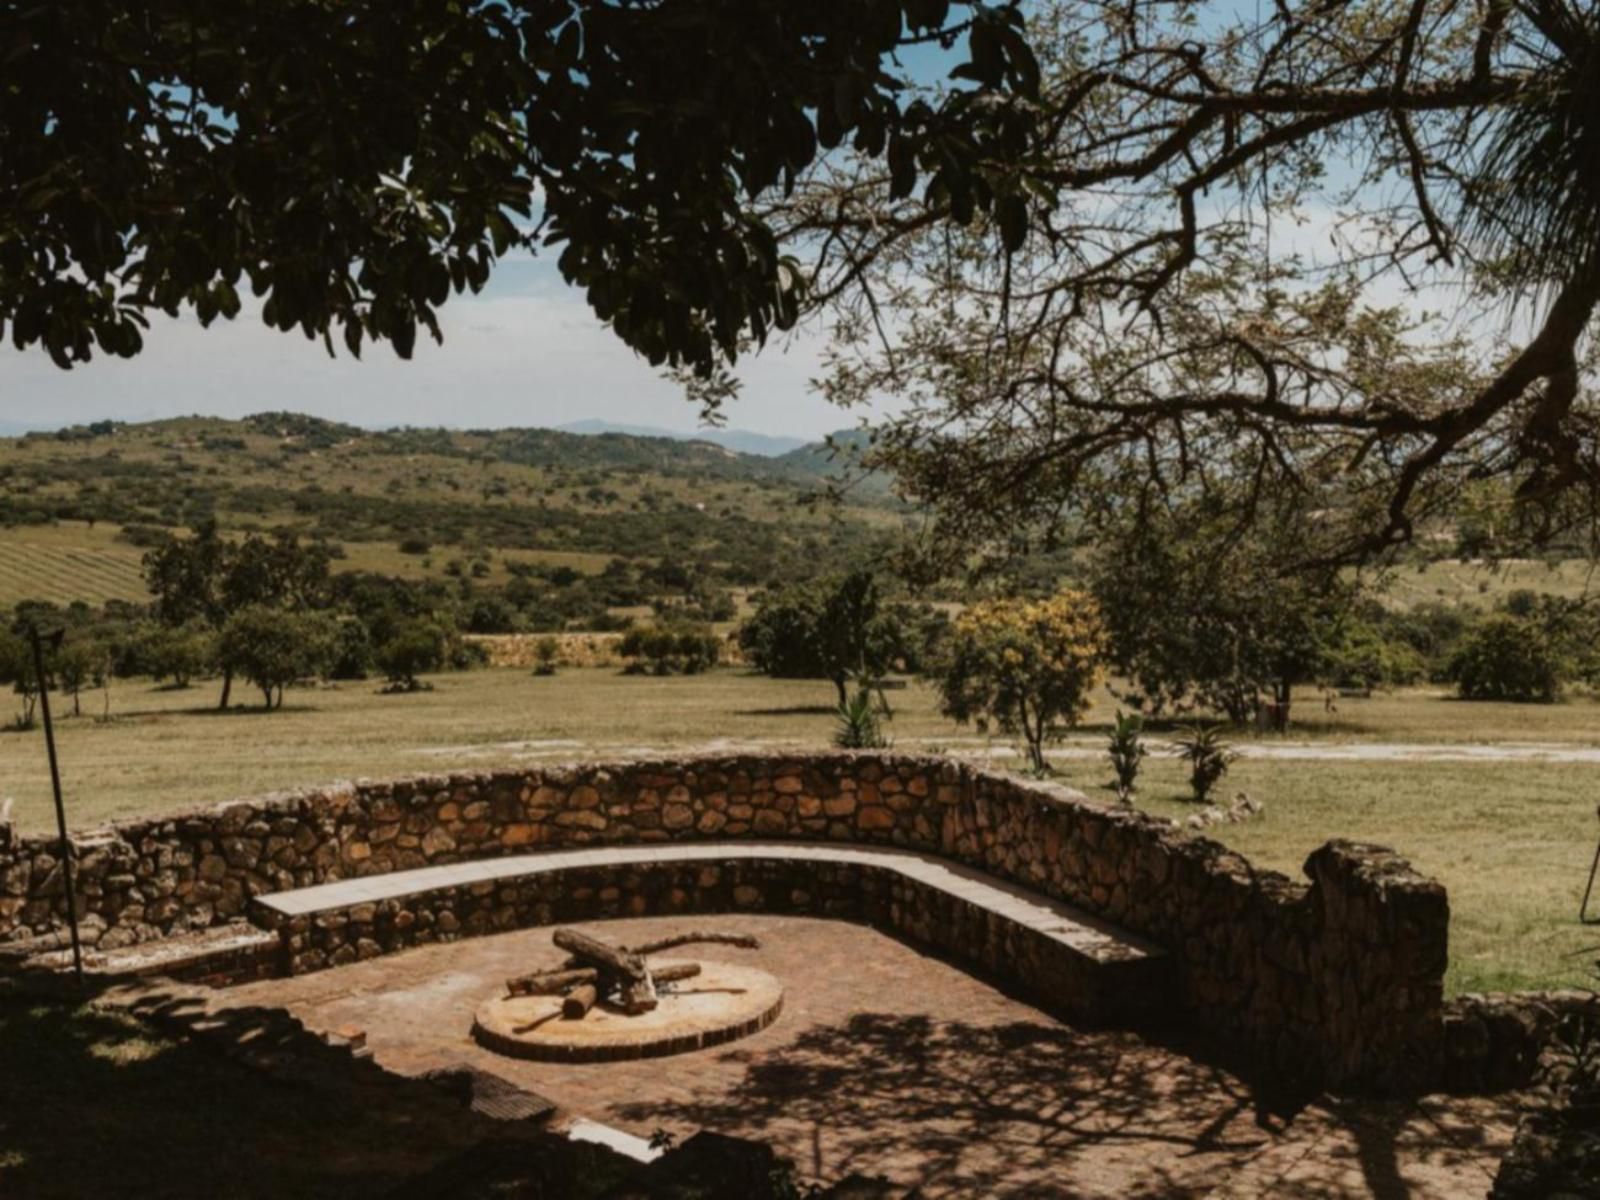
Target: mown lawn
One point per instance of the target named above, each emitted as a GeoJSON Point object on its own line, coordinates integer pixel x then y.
{"type": "Point", "coordinates": [1511, 840]}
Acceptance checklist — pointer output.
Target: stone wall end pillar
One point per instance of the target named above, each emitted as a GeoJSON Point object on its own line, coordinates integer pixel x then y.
{"type": "Point", "coordinates": [1378, 964]}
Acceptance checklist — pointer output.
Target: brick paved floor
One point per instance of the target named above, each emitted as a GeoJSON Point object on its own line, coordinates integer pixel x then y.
{"type": "Point", "coordinates": [887, 1061]}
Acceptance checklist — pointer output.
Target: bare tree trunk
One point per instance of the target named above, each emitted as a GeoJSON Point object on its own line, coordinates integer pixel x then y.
{"type": "Point", "coordinates": [227, 687]}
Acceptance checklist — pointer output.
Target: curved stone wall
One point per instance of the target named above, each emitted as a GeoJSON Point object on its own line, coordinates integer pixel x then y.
{"type": "Point", "coordinates": [1338, 977]}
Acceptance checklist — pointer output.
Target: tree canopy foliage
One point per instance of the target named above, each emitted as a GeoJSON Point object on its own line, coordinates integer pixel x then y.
{"type": "Point", "coordinates": [355, 163]}
{"type": "Point", "coordinates": [1203, 613]}
{"type": "Point", "coordinates": [209, 579]}
{"type": "Point", "coordinates": [1238, 225]}
{"type": "Point", "coordinates": [836, 628]}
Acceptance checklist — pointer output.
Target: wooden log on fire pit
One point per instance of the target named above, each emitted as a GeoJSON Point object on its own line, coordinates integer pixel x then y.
{"type": "Point", "coordinates": [593, 952]}
{"type": "Point", "coordinates": [550, 983]}
{"type": "Point", "coordinates": [597, 970]}
{"type": "Point", "coordinates": [579, 1001]}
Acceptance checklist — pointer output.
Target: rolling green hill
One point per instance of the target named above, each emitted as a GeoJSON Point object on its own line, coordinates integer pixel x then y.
{"type": "Point", "coordinates": [77, 506]}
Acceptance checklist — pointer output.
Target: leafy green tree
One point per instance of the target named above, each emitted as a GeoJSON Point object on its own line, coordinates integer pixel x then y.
{"type": "Point", "coordinates": [356, 164]}
{"type": "Point", "coordinates": [1202, 616]}
{"type": "Point", "coordinates": [1362, 656]}
{"type": "Point", "coordinates": [353, 655]}
{"type": "Point", "coordinates": [208, 578]}
{"type": "Point", "coordinates": [17, 669]}
{"type": "Point", "coordinates": [492, 614]}
{"type": "Point", "coordinates": [1506, 657]}
{"type": "Point", "coordinates": [839, 629]}
{"type": "Point", "coordinates": [78, 665]}
{"type": "Point", "coordinates": [181, 653]}
{"type": "Point", "coordinates": [273, 648]}
{"type": "Point", "coordinates": [1027, 666]}
{"type": "Point", "coordinates": [413, 649]}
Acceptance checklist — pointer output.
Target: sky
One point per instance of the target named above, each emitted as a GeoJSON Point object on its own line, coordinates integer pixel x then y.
{"type": "Point", "coordinates": [525, 351]}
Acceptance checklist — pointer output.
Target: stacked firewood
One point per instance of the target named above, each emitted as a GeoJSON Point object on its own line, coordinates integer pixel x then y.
{"type": "Point", "coordinates": [597, 971]}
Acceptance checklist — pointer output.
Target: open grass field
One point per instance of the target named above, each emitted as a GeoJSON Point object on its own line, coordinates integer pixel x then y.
{"type": "Point", "coordinates": [1511, 839]}
{"type": "Point", "coordinates": [1477, 583]}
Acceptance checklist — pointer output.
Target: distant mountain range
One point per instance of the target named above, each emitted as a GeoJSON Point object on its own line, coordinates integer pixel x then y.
{"type": "Point", "coordinates": [742, 441]}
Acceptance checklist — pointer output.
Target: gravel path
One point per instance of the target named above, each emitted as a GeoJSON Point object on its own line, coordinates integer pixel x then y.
{"type": "Point", "coordinates": [1077, 748]}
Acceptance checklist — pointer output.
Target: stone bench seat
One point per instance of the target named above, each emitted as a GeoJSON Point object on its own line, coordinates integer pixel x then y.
{"type": "Point", "coordinates": [221, 954]}
{"type": "Point", "coordinates": [1067, 959]}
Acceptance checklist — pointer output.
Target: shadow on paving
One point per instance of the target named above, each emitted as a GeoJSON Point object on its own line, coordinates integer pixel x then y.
{"type": "Point", "coordinates": [97, 1103]}
{"type": "Point", "coordinates": [1033, 1110]}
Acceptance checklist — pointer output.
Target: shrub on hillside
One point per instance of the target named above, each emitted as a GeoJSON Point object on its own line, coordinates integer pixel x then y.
{"type": "Point", "coordinates": [492, 614]}
{"type": "Point", "coordinates": [463, 654]}
{"type": "Point", "coordinates": [1508, 658]}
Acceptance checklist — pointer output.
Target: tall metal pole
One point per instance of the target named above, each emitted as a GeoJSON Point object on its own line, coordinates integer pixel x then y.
{"type": "Point", "coordinates": [61, 811]}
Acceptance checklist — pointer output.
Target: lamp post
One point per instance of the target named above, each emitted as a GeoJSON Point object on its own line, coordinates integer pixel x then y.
{"type": "Point", "coordinates": [55, 783]}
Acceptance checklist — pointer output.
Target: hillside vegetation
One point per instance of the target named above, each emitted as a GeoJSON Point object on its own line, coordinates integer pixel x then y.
{"type": "Point", "coordinates": [78, 507]}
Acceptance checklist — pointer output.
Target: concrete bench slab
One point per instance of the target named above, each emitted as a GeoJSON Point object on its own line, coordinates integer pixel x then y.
{"type": "Point", "coordinates": [229, 953]}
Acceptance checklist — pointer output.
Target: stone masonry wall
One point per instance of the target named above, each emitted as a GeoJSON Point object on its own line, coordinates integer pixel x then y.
{"type": "Point", "coordinates": [1339, 978]}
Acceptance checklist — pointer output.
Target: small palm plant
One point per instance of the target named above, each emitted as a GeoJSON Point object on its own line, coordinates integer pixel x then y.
{"type": "Point", "coordinates": [1127, 750]}
{"type": "Point", "coordinates": [859, 725]}
{"type": "Point", "coordinates": [1208, 756]}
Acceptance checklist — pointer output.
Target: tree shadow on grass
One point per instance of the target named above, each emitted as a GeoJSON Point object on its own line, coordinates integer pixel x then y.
{"type": "Point", "coordinates": [97, 1103]}
{"type": "Point", "coordinates": [794, 710]}
{"type": "Point", "coordinates": [1032, 1109]}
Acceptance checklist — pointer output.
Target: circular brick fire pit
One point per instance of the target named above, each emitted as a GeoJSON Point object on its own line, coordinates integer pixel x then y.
{"type": "Point", "coordinates": [720, 1003]}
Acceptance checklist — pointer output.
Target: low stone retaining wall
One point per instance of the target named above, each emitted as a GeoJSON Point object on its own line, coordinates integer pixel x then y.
{"type": "Point", "coordinates": [1497, 1040]}
{"type": "Point", "coordinates": [1338, 979]}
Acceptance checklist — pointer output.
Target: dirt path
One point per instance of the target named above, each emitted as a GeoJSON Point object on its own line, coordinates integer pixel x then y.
{"type": "Point", "coordinates": [1075, 748]}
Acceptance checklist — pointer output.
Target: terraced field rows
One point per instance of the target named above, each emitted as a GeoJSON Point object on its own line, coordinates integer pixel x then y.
{"type": "Point", "coordinates": [33, 569]}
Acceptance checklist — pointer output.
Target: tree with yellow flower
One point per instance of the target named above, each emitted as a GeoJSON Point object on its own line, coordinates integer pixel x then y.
{"type": "Point", "coordinates": [1026, 666]}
